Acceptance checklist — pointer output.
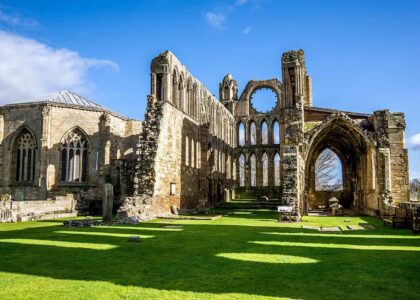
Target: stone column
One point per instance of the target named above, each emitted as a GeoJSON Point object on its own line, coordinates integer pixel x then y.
{"type": "Point", "coordinates": [44, 153]}
{"type": "Point", "coordinates": [290, 175]}
{"type": "Point", "coordinates": [104, 154]}
{"type": "Point", "coordinates": [385, 167]}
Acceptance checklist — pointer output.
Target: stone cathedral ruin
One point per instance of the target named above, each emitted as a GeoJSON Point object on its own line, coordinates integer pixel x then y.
{"type": "Point", "coordinates": [193, 150]}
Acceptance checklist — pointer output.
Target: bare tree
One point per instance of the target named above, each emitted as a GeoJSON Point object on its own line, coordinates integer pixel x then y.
{"type": "Point", "coordinates": [414, 189]}
{"type": "Point", "coordinates": [325, 171]}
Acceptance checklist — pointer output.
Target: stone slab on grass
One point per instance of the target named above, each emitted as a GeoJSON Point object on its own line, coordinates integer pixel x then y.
{"type": "Point", "coordinates": [368, 226]}
{"type": "Point", "coordinates": [334, 229]}
{"type": "Point", "coordinates": [354, 227]}
{"type": "Point", "coordinates": [311, 227]}
{"type": "Point", "coordinates": [193, 217]}
{"type": "Point", "coordinates": [174, 226]}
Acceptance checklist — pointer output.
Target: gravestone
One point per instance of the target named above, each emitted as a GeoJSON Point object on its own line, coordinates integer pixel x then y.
{"type": "Point", "coordinates": [133, 220]}
{"type": "Point", "coordinates": [107, 202]}
{"type": "Point", "coordinates": [174, 210]}
{"type": "Point", "coordinates": [134, 239]}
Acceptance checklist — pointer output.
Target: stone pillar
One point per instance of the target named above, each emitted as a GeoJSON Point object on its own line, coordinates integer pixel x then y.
{"type": "Point", "coordinates": [290, 175]}
{"type": "Point", "coordinates": [104, 154]}
{"type": "Point", "coordinates": [44, 152]}
{"type": "Point", "coordinates": [390, 130]}
{"type": "Point", "coordinates": [107, 202]}
{"type": "Point", "coordinates": [385, 167]}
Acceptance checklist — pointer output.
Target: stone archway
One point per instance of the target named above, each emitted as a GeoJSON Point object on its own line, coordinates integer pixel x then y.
{"type": "Point", "coordinates": [352, 147]}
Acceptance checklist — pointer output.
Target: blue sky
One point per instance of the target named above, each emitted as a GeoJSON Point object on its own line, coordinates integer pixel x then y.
{"type": "Point", "coordinates": [362, 55]}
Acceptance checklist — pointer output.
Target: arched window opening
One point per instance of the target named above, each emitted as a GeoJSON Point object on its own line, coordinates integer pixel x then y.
{"type": "Point", "coordinates": [241, 134]}
{"type": "Point", "coordinates": [242, 170]}
{"type": "Point", "coordinates": [328, 172]}
{"type": "Point", "coordinates": [198, 154]}
{"type": "Point", "coordinates": [181, 94]}
{"type": "Point", "coordinates": [74, 157]}
{"type": "Point", "coordinates": [252, 134]}
{"type": "Point", "coordinates": [24, 156]}
{"type": "Point", "coordinates": [253, 163]}
{"type": "Point", "coordinates": [159, 86]}
{"type": "Point", "coordinates": [264, 162]}
{"type": "Point", "coordinates": [195, 101]}
{"type": "Point", "coordinates": [277, 169]}
{"type": "Point", "coordinates": [175, 89]}
{"type": "Point", "coordinates": [188, 99]}
{"type": "Point", "coordinates": [187, 151]}
{"type": "Point", "coordinates": [264, 133]}
{"type": "Point", "coordinates": [193, 154]}
{"type": "Point", "coordinates": [276, 133]}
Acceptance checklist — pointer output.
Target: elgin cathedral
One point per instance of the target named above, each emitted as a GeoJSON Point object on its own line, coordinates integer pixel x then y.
{"type": "Point", "coordinates": [193, 150]}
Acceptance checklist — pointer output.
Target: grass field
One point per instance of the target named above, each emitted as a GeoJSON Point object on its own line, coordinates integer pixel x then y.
{"type": "Point", "coordinates": [243, 256]}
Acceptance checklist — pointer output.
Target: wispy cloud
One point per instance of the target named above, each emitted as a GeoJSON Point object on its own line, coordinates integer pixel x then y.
{"type": "Point", "coordinates": [247, 30]}
{"type": "Point", "coordinates": [241, 2]}
{"type": "Point", "coordinates": [30, 68]}
{"type": "Point", "coordinates": [216, 20]}
{"type": "Point", "coordinates": [414, 141]}
{"type": "Point", "coordinates": [15, 20]}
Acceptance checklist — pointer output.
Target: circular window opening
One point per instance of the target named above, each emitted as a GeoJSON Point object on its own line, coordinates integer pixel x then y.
{"type": "Point", "coordinates": [263, 100]}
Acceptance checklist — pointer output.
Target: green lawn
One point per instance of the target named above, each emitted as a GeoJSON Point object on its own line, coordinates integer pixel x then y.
{"type": "Point", "coordinates": [243, 256]}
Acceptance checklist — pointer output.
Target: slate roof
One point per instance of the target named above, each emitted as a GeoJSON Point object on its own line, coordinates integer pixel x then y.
{"type": "Point", "coordinates": [62, 97]}
{"type": "Point", "coordinates": [66, 98]}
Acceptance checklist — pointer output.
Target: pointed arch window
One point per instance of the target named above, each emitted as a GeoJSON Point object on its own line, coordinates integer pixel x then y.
{"type": "Point", "coordinates": [253, 162]}
{"type": "Point", "coordinates": [252, 134]}
{"type": "Point", "coordinates": [74, 157]}
{"type": "Point", "coordinates": [277, 169]}
{"type": "Point", "coordinates": [276, 133]}
{"type": "Point", "coordinates": [264, 133]}
{"type": "Point", "coordinates": [242, 170]}
{"type": "Point", "coordinates": [241, 134]}
{"type": "Point", "coordinates": [264, 162]}
{"type": "Point", "coordinates": [24, 156]}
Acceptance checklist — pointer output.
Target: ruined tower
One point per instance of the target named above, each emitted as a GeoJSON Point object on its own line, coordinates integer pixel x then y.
{"type": "Point", "coordinates": [297, 83]}
{"type": "Point", "coordinates": [228, 92]}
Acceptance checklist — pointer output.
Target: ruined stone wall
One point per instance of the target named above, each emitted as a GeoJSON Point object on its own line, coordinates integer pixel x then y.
{"type": "Point", "coordinates": [186, 138]}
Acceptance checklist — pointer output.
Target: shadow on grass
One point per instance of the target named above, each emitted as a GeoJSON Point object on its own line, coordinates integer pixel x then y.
{"type": "Point", "coordinates": [219, 259]}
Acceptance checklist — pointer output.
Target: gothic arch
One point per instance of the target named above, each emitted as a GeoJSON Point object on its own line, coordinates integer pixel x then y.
{"type": "Point", "coordinates": [18, 132]}
{"type": "Point", "coordinates": [341, 135]}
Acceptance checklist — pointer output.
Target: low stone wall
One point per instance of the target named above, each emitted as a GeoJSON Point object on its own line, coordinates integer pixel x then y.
{"type": "Point", "coordinates": [18, 211]}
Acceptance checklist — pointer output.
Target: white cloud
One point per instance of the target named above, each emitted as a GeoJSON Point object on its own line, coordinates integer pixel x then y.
{"type": "Point", "coordinates": [215, 20]}
{"type": "Point", "coordinates": [14, 20]}
{"type": "Point", "coordinates": [247, 30]}
{"type": "Point", "coordinates": [414, 141]}
{"type": "Point", "coordinates": [29, 68]}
